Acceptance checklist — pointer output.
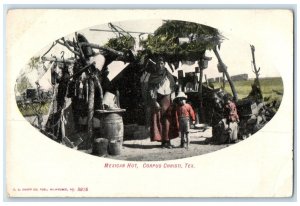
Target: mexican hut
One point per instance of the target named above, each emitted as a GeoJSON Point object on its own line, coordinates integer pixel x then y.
{"type": "Point", "coordinates": [87, 105]}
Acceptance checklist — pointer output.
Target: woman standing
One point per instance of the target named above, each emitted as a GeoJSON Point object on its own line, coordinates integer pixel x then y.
{"type": "Point", "coordinates": [161, 85]}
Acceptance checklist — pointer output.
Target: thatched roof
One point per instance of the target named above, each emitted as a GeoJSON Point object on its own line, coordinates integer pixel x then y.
{"type": "Point", "coordinates": [121, 43]}
{"type": "Point", "coordinates": [174, 40]}
{"type": "Point", "coordinates": [180, 40]}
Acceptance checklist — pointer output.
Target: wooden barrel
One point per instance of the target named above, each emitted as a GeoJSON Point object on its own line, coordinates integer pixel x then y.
{"type": "Point", "coordinates": [111, 126]}
{"type": "Point", "coordinates": [112, 129]}
{"type": "Point", "coordinates": [100, 147]}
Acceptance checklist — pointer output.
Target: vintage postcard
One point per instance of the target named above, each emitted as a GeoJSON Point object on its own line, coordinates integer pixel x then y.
{"type": "Point", "coordinates": [149, 103]}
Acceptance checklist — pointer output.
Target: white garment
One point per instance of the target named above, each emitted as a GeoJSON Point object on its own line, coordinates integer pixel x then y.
{"type": "Point", "coordinates": [164, 88]}
{"type": "Point", "coordinates": [233, 135]}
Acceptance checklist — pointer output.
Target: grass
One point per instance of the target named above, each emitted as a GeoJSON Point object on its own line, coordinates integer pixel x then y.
{"type": "Point", "coordinates": [269, 86]}
{"type": "Point", "coordinates": [34, 109]}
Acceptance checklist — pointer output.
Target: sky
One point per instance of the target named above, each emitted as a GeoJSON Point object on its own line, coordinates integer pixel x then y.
{"type": "Point", "coordinates": [235, 52]}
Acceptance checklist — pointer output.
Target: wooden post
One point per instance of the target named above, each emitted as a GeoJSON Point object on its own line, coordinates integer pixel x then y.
{"type": "Point", "coordinates": [180, 80]}
{"type": "Point", "coordinates": [256, 71]}
{"type": "Point", "coordinates": [200, 85]}
{"type": "Point", "coordinates": [223, 80]}
{"type": "Point", "coordinates": [98, 85]}
{"type": "Point", "coordinates": [201, 115]}
{"type": "Point", "coordinates": [118, 98]}
{"type": "Point", "coordinates": [206, 80]}
{"type": "Point", "coordinates": [224, 70]}
{"type": "Point", "coordinates": [90, 116]}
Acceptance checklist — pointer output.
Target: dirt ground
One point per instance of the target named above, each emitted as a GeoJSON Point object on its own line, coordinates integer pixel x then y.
{"type": "Point", "coordinates": [145, 150]}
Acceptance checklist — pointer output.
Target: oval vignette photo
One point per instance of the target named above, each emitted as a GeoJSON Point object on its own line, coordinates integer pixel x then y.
{"type": "Point", "coordinates": [148, 90]}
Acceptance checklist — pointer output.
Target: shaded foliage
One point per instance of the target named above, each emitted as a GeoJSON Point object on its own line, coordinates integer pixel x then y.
{"type": "Point", "coordinates": [167, 41]}
{"type": "Point", "coordinates": [34, 63]}
{"type": "Point", "coordinates": [121, 43]}
{"type": "Point", "coordinates": [23, 84]}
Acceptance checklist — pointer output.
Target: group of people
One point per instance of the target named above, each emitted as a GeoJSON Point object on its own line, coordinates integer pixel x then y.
{"type": "Point", "coordinates": [171, 114]}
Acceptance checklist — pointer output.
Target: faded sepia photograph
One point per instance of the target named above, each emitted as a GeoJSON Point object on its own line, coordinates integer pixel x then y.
{"type": "Point", "coordinates": [159, 94]}
{"type": "Point", "coordinates": [133, 92]}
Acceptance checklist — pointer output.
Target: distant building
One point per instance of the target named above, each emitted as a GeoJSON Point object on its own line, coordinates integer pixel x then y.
{"type": "Point", "coordinates": [211, 80]}
{"type": "Point", "coordinates": [219, 79]}
{"type": "Point", "coordinates": [239, 77]}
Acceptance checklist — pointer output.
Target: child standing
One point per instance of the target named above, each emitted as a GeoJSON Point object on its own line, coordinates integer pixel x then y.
{"type": "Point", "coordinates": [184, 113]}
{"type": "Point", "coordinates": [232, 119]}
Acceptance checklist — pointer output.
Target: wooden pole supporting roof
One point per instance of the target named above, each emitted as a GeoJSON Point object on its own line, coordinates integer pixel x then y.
{"type": "Point", "coordinates": [224, 70]}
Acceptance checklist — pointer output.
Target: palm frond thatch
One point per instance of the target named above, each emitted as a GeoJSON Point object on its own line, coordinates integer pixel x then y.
{"type": "Point", "coordinates": [121, 43]}
{"type": "Point", "coordinates": [166, 40]}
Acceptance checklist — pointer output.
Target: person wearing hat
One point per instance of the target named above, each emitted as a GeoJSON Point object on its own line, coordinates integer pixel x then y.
{"type": "Point", "coordinates": [184, 112]}
{"type": "Point", "coordinates": [161, 85]}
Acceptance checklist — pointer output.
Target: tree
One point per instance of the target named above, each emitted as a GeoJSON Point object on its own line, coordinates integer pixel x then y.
{"type": "Point", "coordinates": [23, 84]}
{"type": "Point", "coordinates": [34, 63]}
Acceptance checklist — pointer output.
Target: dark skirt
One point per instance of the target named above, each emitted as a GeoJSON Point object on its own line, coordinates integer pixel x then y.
{"type": "Point", "coordinates": [163, 125]}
